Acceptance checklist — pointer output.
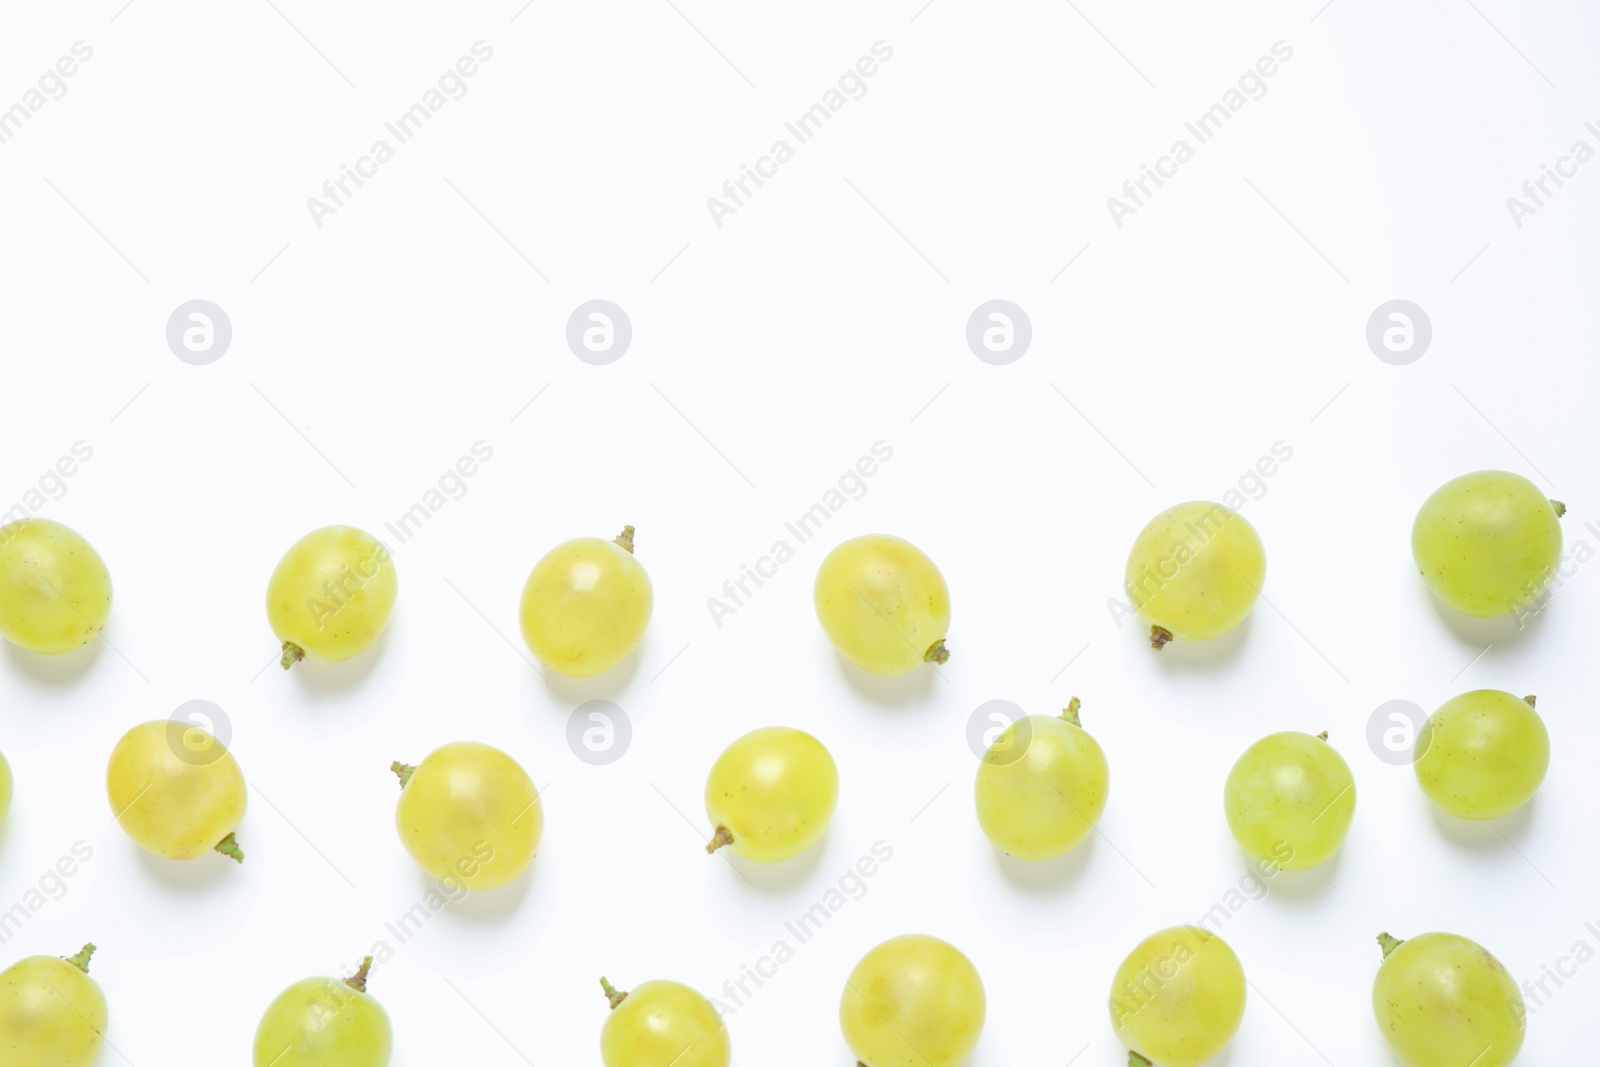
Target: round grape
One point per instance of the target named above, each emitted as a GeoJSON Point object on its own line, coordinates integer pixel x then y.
{"type": "Point", "coordinates": [1443, 1001]}
{"type": "Point", "coordinates": [1482, 754]}
{"type": "Point", "coordinates": [1194, 572]}
{"type": "Point", "coordinates": [325, 1022]}
{"type": "Point", "coordinates": [331, 595]}
{"type": "Point", "coordinates": [586, 605]}
{"type": "Point", "coordinates": [469, 812]}
{"type": "Point", "coordinates": [1486, 542]}
{"type": "Point", "coordinates": [883, 604]}
{"type": "Point", "coordinates": [1178, 998]}
{"type": "Point", "coordinates": [1289, 800]}
{"type": "Point", "coordinates": [55, 591]}
{"type": "Point", "coordinates": [176, 791]}
{"type": "Point", "coordinates": [771, 793]}
{"type": "Point", "coordinates": [1042, 786]}
{"type": "Point", "coordinates": [52, 1014]}
{"type": "Point", "coordinates": [662, 1024]}
{"type": "Point", "coordinates": [912, 1000]}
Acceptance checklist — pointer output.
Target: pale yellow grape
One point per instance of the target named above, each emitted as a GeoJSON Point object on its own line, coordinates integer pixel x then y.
{"type": "Point", "coordinates": [883, 604]}
{"type": "Point", "coordinates": [1178, 998]}
{"type": "Point", "coordinates": [1444, 1001]}
{"type": "Point", "coordinates": [325, 1022]}
{"type": "Point", "coordinates": [176, 791]}
{"type": "Point", "coordinates": [52, 1014]}
{"type": "Point", "coordinates": [1042, 786]}
{"type": "Point", "coordinates": [662, 1024]}
{"type": "Point", "coordinates": [1483, 754]}
{"type": "Point", "coordinates": [331, 594]}
{"type": "Point", "coordinates": [913, 1001]}
{"type": "Point", "coordinates": [469, 813]}
{"type": "Point", "coordinates": [55, 591]}
{"type": "Point", "coordinates": [771, 793]}
{"type": "Point", "coordinates": [1486, 542]}
{"type": "Point", "coordinates": [1289, 800]}
{"type": "Point", "coordinates": [6, 787]}
{"type": "Point", "coordinates": [586, 605]}
{"type": "Point", "coordinates": [1195, 572]}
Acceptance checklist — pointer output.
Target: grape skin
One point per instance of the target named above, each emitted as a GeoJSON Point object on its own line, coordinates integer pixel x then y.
{"type": "Point", "coordinates": [331, 595]}
{"type": "Point", "coordinates": [1042, 802]}
{"type": "Point", "coordinates": [1179, 997]}
{"type": "Point", "coordinates": [1289, 800]}
{"type": "Point", "coordinates": [771, 794]}
{"type": "Point", "coordinates": [1486, 542]}
{"type": "Point", "coordinates": [883, 604]}
{"type": "Point", "coordinates": [55, 591]}
{"type": "Point", "coordinates": [914, 999]}
{"type": "Point", "coordinates": [52, 1014]}
{"type": "Point", "coordinates": [1444, 1001]}
{"type": "Point", "coordinates": [1194, 572]}
{"type": "Point", "coordinates": [469, 812]}
{"type": "Point", "coordinates": [324, 1022]}
{"type": "Point", "coordinates": [662, 1024]}
{"type": "Point", "coordinates": [6, 788]}
{"type": "Point", "coordinates": [1482, 755]}
{"type": "Point", "coordinates": [585, 605]}
{"type": "Point", "coordinates": [175, 807]}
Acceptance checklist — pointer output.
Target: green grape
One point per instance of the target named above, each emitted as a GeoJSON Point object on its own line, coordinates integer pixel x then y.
{"type": "Point", "coordinates": [771, 793]}
{"type": "Point", "coordinates": [1178, 998]}
{"type": "Point", "coordinates": [176, 790]}
{"type": "Point", "coordinates": [662, 1024]}
{"type": "Point", "coordinates": [325, 1022]}
{"type": "Point", "coordinates": [1042, 786]}
{"type": "Point", "coordinates": [331, 594]}
{"type": "Point", "coordinates": [883, 604]}
{"type": "Point", "coordinates": [1482, 754]}
{"type": "Point", "coordinates": [913, 1000]}
{"type": "Point", "coordinates": [55, 591]}
{"type": "Point", "coordinates": [52, 1014]}
{"type": "Point", "coordinates": [1194, 572]}
{"type": "Point", "coordinates": [6, 787]}
{"type": "Point", "coordinates": [1444, 1001]}
{"type": "Point", "coordinates": [586, 604]}
{"type": "Point", "coordinates": [469, 812]}
{"type": "Point", "coordinates": [1486, 542]}
{"type": "Point", "coordinates": [1289, 800]}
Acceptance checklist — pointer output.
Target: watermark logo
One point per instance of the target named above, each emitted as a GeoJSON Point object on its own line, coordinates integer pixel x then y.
{"type": "Point", "coordinates": [999, 332]}
{"type": "Point", "coordinates": [1393, 731]}
{"type": "Point", "coordinates": [986, 729]}
{"type": "Point", "coordinates": [1399, 332]}
{"type": "Point", "coordinates": [599, 732]}
{"type": "Point", "coordinates": [599, 332]}
{"type": "Point", "coordinates": [198, 732]}
{"type": "Point", "coordinates": [199, 332]}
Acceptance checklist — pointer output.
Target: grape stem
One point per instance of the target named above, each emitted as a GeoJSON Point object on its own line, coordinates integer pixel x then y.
{"type": "Point", "coordinates": [1561, 509]}
{"type": "Point", "coordinates": [625, 539]}
{"type": "Point", "coordinates": [1159, 636]}
{"type": "Point", "coordinates": [404, 771]}
{"type": "Point", "coordinates": [229, 846]}
{"type": "Point", "coordinates": [1323, 736]}
{"type": "Point", "coordinates": [723, 836]}
{"type": "Point", "coordinates": [1136, 1060]}
{"type": "Point", "coordinates": [936, 653]}
{"type": "Point", "coordinates": [1532, 701]}
{"type": "Point", "coordinates": [1070, 712]}
{"type": "Point", "coordinates": [358, 981]}
{"type": "Point", "coordinates": [1389, 944]}
{"type": "Point", "coordinates": [81, 960]}
{"type": "Point", "coordinates": [292, 654]}
{"type": "Point", "coordinates": [613, 994]}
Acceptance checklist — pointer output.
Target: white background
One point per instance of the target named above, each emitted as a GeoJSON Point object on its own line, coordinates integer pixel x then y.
{"type": "Point", "coordinates": [769, 354]}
